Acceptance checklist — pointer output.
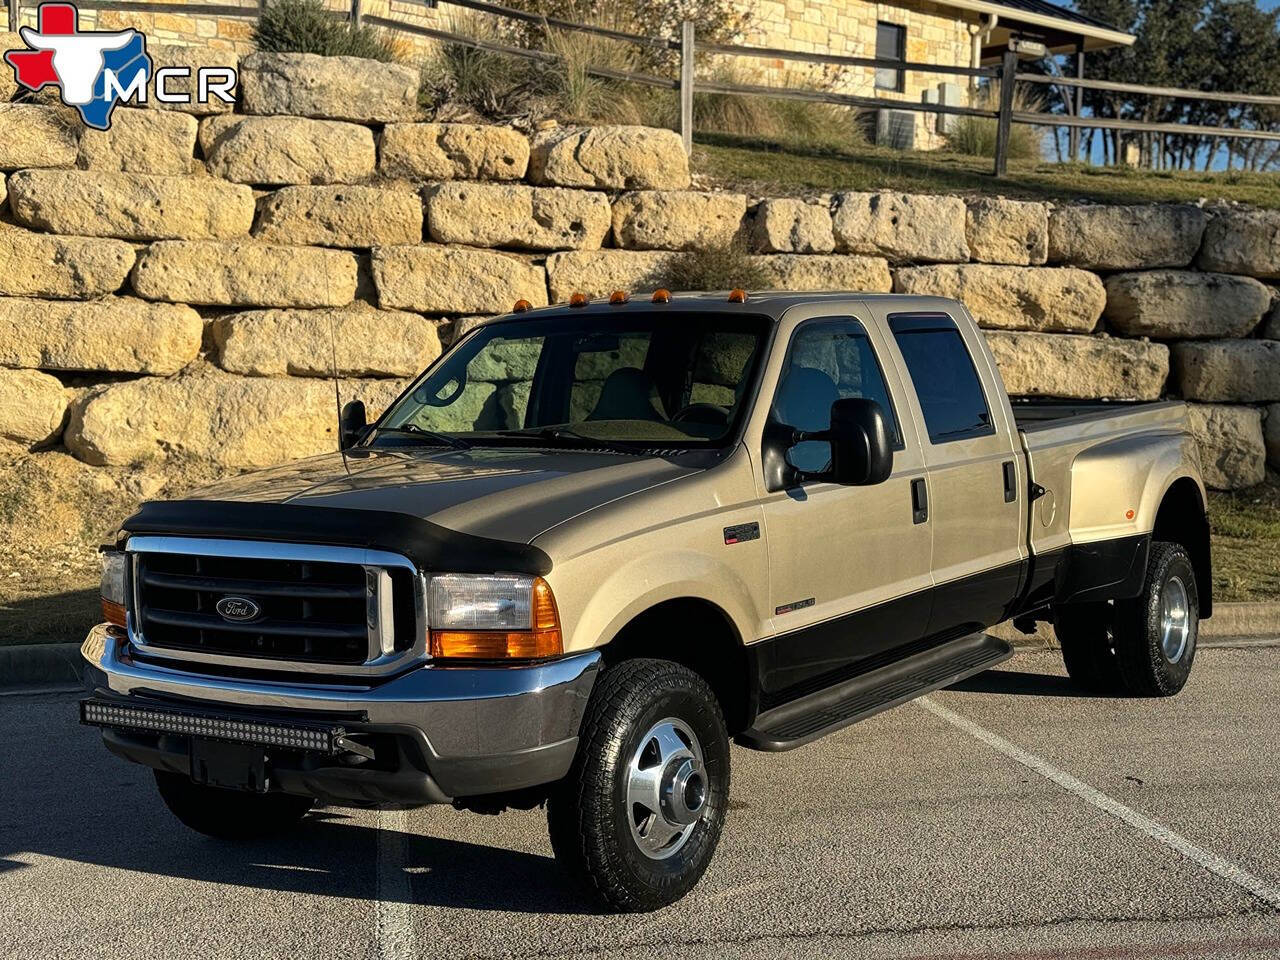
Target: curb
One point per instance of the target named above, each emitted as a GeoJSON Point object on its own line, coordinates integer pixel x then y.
{"type": "Point", "coordinates": [1230, 622]}
{"type": "Point", "coordinates": [40, 664]}
{"type": "Point", "coordinates": [1233, 625]}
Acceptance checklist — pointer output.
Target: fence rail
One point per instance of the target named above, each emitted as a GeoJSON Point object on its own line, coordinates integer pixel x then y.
{"type": "Point", "coordinates": [688, 48]}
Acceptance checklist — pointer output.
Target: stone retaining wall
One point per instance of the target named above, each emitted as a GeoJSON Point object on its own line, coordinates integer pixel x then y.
{"type": "Point", "coordinates": [169, 288]}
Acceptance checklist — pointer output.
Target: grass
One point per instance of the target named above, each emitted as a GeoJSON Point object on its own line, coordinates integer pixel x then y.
{"type": "Point", "coordinates": [771, 167]}
{"type": "Point", "coordinates": [306, 26]}
{"type": "Point", "coordinates": [1246, 544]}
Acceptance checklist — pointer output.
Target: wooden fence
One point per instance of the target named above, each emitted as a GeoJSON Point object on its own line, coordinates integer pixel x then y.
{"type": "Point", "coordinates": [686, 47]}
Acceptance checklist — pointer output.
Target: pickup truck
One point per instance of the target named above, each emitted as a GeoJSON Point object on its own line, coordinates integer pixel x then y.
{"type": "Point", "coordinates": [594, 543]}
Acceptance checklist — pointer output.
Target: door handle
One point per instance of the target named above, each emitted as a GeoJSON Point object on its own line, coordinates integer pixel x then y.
{"type": "Point", "coordinates": [1010, 482]}
{"type": "Point", "coordinates": [919, 501]}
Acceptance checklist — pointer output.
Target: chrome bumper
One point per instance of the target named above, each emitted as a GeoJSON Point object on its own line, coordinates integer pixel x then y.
{"type": "Point", "coordinates": [478, 730]}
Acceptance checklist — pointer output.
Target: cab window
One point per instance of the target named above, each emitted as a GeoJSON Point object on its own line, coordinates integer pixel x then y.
{"type": "Point", "coordinates": [945, 379]}
{"type": "Point", "coordinates": [829, 359]}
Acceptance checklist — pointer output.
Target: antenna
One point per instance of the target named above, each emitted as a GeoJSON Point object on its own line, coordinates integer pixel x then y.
{"type": "Point", "coordinates": [333, 361]}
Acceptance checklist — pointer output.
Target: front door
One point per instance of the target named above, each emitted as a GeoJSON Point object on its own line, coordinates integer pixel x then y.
{"type": "Point", "coordinates": [849, 566]}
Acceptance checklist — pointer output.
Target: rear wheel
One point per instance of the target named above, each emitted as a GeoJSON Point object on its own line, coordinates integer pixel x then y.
{"type": "Point", "coordinates": [230, 814]}
{"type": "Point", "coordinates": [1085, 631]}
{"type": "Point", "coordinates": [1157, 631]}
{"type": "Point", "coordinates": [639, 816]}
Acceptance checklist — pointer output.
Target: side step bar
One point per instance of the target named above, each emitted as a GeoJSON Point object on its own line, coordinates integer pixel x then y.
{"type": "Point", "coordinates": [802, 721]}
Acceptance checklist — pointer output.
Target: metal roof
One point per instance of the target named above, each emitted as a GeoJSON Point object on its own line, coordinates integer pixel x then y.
{"type": "Point", "coordinates": [1049, 17]}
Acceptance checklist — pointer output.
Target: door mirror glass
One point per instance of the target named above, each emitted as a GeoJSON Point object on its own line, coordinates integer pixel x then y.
{"type": "Point", "coordinates": [861, 451]}
{"type": "Point", "coordinates": [352, 424]}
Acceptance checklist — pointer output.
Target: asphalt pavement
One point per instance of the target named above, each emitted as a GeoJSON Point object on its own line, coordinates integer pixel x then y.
{"type": "Point", "coordinates": [1007, 817]}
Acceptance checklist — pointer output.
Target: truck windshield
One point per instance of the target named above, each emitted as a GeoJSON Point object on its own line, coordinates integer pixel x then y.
{"type": "Point", "coordinates": [640, 378]}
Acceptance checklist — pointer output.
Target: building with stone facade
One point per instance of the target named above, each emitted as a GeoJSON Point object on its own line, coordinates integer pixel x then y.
{"type": "Point", "coordinates": [966, 33]}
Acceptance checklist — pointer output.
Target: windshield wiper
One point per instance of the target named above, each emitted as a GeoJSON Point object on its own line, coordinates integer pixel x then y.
{"type": "Point", "coordinates": [413, 430]}
{"type": "Point", "coordinates": [578, 439]}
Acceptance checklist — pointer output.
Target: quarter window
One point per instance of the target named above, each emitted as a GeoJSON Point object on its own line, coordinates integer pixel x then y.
{"type": "Point", "coordinates": [946, 382]}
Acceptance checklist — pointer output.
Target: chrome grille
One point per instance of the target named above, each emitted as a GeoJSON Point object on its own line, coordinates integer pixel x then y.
{"type": "Point", "coordinates": [230, 601]}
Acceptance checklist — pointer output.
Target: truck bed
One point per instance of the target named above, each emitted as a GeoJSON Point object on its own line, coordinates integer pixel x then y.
{"type": "Point", "coordinates": [1115, 438]}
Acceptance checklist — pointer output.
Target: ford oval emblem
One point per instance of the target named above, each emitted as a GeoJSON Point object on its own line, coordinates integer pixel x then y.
{"type": "Point", "coordinates": [238, 609]}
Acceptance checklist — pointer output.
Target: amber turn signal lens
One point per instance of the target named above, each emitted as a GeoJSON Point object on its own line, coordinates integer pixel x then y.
{"type": "Point", "coordinates": [578, 300]}
{"type": "Point", "coordinates": [542, 640]}
{"type": "Point", "coordinates": [521, 306]}
{"type": "Point", "coordinates": [661, 295]}
{"type": "Point", "coordinates": [738, 296]}
{"type": "Point", "coordinates": [113, 613]}
{"type": "Point", "coordinates": [619, 296]}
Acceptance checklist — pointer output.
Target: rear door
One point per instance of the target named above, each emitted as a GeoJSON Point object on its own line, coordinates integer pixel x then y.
{"type": "Point", "coordinates": [976, 484]}
{"type": "Point", "coordinates": [849, 566]}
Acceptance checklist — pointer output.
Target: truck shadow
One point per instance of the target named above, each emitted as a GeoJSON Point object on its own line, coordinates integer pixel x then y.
{"type": "Point", "coordinates": [1020, 683]}
{"type": "Point", "coordinates": [65, 798]}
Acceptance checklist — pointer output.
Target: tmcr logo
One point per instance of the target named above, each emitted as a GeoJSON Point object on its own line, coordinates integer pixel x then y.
{"type": "Point", "coordinates": [96, 69]}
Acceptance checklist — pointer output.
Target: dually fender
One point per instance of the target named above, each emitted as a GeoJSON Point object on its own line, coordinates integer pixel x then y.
{"type": "Point", "coordinates": [652, 578]}
{"type": "Point", "coordinates": [1117, 487]}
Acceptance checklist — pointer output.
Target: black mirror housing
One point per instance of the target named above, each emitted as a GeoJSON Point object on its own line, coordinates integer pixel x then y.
{"type": "Point", "coordinates": [861, 452]}
{"type": "Point", "coordinates": [352, 424]}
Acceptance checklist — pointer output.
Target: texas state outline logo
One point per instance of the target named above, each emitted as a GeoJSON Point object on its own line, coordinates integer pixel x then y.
{"type": "Point", "coordinates": [93, 69]}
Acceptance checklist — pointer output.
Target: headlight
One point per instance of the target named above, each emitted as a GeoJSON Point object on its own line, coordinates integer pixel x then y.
{"type": "Point", "coordinates": [113, 587]}
{"type": "Point", "coordinates": [492, 617]}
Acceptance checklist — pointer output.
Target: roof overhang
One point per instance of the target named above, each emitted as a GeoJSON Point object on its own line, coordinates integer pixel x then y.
{"type": "Point", "coordinates": [1094, 37]}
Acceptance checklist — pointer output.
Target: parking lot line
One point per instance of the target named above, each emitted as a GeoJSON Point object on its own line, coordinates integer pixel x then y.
{"type": "Point", "coordinates": [393, 918]}
{"type": "Point", "coordinates": [1157, 831]}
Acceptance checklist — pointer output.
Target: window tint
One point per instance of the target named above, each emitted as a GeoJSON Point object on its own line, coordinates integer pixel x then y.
{"type": "Point", "coordinates": [944, 376]}
{"type": "Point", "coordinates": [891, 44]}
{"type": "Point", "coordinates": [829, 360]}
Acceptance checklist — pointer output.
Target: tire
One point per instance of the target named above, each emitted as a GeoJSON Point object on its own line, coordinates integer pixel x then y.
{"type": "Point", "coordinates": [1085, 632]}
{"type": "Point", "coordinates": [1156, 632]}
{"type": "Point", "coordinates": [230, 814]}
{"type": "Point", "coordinates": [649, 722]}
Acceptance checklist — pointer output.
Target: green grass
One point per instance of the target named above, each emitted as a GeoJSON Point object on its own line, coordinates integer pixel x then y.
{"type": "Point", "coordinates": [1246, 544]}
{"type": "Point", "coordinates": [768, 167]}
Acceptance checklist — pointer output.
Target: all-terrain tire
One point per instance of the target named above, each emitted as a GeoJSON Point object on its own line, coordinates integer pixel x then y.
{"type": "Point", "coordinates": [1156, 661]}
{"type": "Point", "coordinates": [230, 814]}
{"type": "Point", "coordinates": [1085, 634]}
{"type": "Point", "coordinates": [591, 820]}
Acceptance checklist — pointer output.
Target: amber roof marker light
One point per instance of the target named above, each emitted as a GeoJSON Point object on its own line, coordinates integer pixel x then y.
{"type": "Point", "coordinates": [522, 306]}
{"type": "Point", "coordinates": [661, 295]}
{"type": "Point", "coordinates": [619, 297]}
{"type": "Point", "coordinates": [738, 296]}
{"type": "Point", "coordinates": [578, 300]}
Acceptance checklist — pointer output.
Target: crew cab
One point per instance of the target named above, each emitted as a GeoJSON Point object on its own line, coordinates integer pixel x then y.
{"type": "Point", "coordinates": [594, 543]}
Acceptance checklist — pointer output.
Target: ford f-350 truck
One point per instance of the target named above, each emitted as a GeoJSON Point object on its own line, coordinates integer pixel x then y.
{"type": "Point", "coordinates": [593, 543]}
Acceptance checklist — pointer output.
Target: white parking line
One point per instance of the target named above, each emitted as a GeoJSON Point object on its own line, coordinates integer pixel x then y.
{"type": "Point", "coordinates": [393, 919]}
{"type": "Point", "coordinates": [1211, 862]}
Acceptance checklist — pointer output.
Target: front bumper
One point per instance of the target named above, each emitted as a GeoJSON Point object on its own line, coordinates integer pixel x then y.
{"type": "Point", "coordinates": [440, 733]}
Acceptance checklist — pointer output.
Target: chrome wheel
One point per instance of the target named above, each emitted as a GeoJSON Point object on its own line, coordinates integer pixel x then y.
{"type": "Point", "coordinates": [666, 788]}
{"type": "Point", "coordinates": [1175, 619]}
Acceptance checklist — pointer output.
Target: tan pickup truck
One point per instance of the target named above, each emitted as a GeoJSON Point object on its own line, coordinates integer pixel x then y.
{"type": "Point", "coordinates": [594, 543]}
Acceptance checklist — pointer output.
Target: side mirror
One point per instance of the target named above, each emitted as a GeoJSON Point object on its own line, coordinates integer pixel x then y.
{"type": "Point", "coordinates": [861, 454]}
{"type": "Point", "coordinates": [351, 424]}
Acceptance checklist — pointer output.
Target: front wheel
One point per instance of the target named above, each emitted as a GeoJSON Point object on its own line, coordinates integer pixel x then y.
{"type": "Point", "coordinates": [229, 814]}
{"type": "Point", "coordinates": [638, 817]}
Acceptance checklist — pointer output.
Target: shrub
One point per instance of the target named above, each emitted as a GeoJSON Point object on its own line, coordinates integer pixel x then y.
{"type": "Point", "coordinates": [825, 126]}
{"type": "Point", "coordinates": [976, 136]}
{"type": "Point", "coordinates": [718, 268]}
{"type": "Point", "coordinates": [475, 79]}
{"type": "Point", "coordinates": [305, 26]}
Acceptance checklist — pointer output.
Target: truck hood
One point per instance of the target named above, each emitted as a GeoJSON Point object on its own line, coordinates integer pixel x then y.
{"type": "Point", "coordinates": [501, 493]}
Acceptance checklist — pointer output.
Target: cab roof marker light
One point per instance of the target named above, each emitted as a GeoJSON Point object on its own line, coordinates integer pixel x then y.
{"type": "Point", "coordinates": [522, 306]}
{"type": "Point", "coordinates": [661, 295]}
{"type": "Point", "coordinates": [619, 297]}
{"type": "Point", "coordinates": [737, 295]}
{"type": "Point", "coordinates": [578, 300]}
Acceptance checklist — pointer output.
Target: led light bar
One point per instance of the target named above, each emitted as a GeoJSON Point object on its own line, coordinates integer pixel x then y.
{"type": "Point", "coordinates": [189, 723]}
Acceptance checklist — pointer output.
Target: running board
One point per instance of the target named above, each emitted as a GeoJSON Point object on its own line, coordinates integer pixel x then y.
{"type": "Point", "coordinates": [802, 721]}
